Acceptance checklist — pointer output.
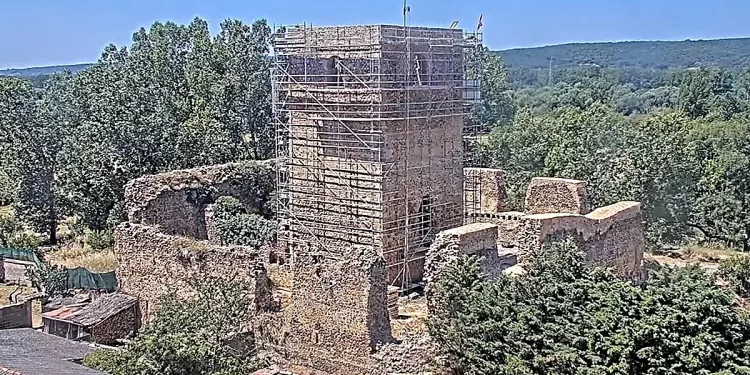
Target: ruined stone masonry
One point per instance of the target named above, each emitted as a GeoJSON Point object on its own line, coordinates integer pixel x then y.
{"type": "Point", "coordinates": [166, 239]}
{"type": "Point", "coordinates": [369, 176]}
{"type": "Point", "coordinates": [555, 209]}
{"type": "Point", "coordinates": [370, 122]}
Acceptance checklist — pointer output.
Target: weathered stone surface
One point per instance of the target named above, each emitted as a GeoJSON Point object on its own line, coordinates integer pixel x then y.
{"type": "Point", "coordinates": [16, 315]}
{"type": "Point", "coordinates": [152, 264]}
{"type": "Point", "coordinates": [175, 201]}
{"type": "Point", "coordinates": [484, 191]}
{"type": "Point", "coordinates": [556, 195]}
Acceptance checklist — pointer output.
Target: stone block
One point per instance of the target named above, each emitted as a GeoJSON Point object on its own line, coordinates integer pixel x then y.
{"type": "Point", "coordinates": [556, 195]}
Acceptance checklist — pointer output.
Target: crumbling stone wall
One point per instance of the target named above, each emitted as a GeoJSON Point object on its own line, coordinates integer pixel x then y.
{"type": "Point", "coordinates": [484, 191]}
{"type": "Point", "coordinates": [175, 201]}
{"type": "Point", "coordinates": [479, 239]}
{"type": "Point", "coordinates": [556, 195]}
{"type": "Point", "coordinates": [338, 314]}
{"type": "Point", "coordinates": [151, 264]}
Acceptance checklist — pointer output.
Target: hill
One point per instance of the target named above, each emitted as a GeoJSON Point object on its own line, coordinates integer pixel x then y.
{"type": "Point", "coordinates": [724, 53]}
{"type": "Point", "coordinates": [43, 70]}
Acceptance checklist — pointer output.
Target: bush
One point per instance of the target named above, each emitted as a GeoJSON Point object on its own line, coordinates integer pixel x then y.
{"type": "Point", "coordinates": [736, 272]}
{"type": "Point", "coordinates": [100, 239]}
{"type": "Point", "coordinates": [24, 240]}
{"type": "Point", "coordinates": [562, 318]}
{"type": "Point", "coordinates": [51, 279]}
{"type": "Point", "coordinates": [9, 226]}
{"type": "Point", "coordinates": [237, 227]}
{"type": "Point", "coordinates": [201, 336]}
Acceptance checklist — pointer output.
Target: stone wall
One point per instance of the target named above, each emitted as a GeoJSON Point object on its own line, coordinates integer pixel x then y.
{"type": "Point", "coordinates": [151, 264]}
{"type": "Point", "coordinates": [16, 315]}
{"type": "Point", "coordinates": [484, 191]}
{"type": "Point", "coordinates": [556, 195]}
{"type": "Point", "coordinates": [338, 314]}
{"type": "Point", "coordinates": [116, 327]}
{"type": "Point", "coordinates": [479, 239]}
{"type": "Point", "coordinates": [175, 201]}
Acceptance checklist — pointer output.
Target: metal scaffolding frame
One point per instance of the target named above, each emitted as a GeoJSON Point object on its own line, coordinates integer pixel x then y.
{"type": "Point", "coordinates": [333, 165]}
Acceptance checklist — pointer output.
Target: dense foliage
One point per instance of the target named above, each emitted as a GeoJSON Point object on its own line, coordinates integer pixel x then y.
{"type": "Point", "coordinates": [562, 318]}
{"type": "Point", "coordinates": [723, 53]}
{"type": "Point", "coordinates": [209, 334]}
{"type": "Point", "coordinates": [236, 226]}
{"type": "Point", "coordinates": [736, 272]}
{"type": "Point", "coordinates": [177, 97]}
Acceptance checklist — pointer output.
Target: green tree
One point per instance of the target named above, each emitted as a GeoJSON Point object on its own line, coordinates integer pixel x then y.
{"type": "Point", "coordinates": [34, 126]}
{"type": "Point", "coordinates": [563, 318]}
{"type": "Point", "coordinates": [210, 334]}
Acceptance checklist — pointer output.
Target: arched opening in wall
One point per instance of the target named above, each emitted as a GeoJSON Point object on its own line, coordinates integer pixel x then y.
{"type": "Point", "coordinates": [334, 71]}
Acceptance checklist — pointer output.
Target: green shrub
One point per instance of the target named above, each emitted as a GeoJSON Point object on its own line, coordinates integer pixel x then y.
{"type": "Point", "coordinates": [201, 336]}
{"type": "Point", "coordinates": [237, 227]}
{"type": "Point", "coordinates": [51, 279]}
{"type": "Point", "coordinates": [9, 226]}
{"type": "Point", "coordinates": [736, 272]}
{"type": "Point", "coordinates": [100, 239]}
{"type": "Point", "coordinates": [24, 240]}
{"type": "Point", "coordinates": [562, 318]}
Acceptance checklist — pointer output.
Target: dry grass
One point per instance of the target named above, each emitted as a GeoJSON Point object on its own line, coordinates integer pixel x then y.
{"type": "Point", "coordinates": [711, 254]}
{"type": "Point", "coordinates": [76, 256]}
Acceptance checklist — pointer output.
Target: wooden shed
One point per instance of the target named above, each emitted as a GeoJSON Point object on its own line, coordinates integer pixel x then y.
{"type": "Point", "coordinates": [105, 320]}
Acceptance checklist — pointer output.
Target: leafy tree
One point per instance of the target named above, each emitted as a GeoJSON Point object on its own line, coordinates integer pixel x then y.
{"type": "Point", "coordinates": [719, 212]}
{"type": "Point", "coordinates": [563, 318]}
{"type": "Point", "coordinates": [736, 272]}
{"type": "Point", "coordinates": [209, 334]}
{"type": "Point", "coordinates": [34, 127]}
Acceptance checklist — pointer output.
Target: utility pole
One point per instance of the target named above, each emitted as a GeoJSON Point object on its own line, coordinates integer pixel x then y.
{"type": "Point", "coordinates": [549, 80]}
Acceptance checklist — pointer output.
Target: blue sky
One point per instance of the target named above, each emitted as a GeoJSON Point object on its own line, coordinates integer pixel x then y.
{"type": "Point", "coordinates": [47, 32]}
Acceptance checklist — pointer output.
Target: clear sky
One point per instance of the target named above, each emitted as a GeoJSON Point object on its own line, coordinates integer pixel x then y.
{"type": "Point", "coordinates": [49, 32]}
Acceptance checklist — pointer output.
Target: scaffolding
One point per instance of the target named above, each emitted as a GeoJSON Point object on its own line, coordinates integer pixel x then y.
{"type": "Point", "coordinates": [370, 128]}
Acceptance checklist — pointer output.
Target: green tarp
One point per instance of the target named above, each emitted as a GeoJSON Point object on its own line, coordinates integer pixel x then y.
{"type": "Point", "coordinates": [78, 278]}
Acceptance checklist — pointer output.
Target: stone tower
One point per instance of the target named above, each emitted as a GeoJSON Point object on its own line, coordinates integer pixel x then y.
{"type": "Point", "coordinates": [369, 123]}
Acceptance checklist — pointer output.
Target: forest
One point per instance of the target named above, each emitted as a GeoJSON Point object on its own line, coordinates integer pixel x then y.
{"type": "Point", "coordinates": [666, 128]}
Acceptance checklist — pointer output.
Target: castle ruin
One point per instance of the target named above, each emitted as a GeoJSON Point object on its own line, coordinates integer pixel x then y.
{"type": "Point", "coordinates": [370, 187]}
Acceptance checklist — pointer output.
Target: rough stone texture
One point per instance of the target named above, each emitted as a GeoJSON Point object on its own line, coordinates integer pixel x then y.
{"type": "Point", "coordinates": [152, 264]}
{"type": "Point", "coordinates": [116, 327]}
{"type": "Point", "coordinates": [556, 195]}
{"type": "Point", "coordinates": [175, 201]}
{"type": "Point", "coordinates": [484, 191]}
{"type": "Point", "coordinates": [374, 139]}
{"type": "Point", "coordinates": [212, 233]}
{"type": "Point", "coordinates": [339, 311]}
{"type": "Point", "coordinates": [16, 315]}
{"type": "Point", "coordinates": [480, 239]}
{"type": "Point", "coordinates": [611, 236]}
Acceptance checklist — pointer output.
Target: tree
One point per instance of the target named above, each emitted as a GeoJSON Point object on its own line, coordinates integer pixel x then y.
{"type": "Point", "coordinates": [563, 318]}
{"type": "Point", "coordinates": [209, 334]}
{"type": "Point", "coordinates": [723, 190]}
{"type": "Point", "coordinates": [34, 126]}
{"type": "Point", "coordinates": [497, 105]}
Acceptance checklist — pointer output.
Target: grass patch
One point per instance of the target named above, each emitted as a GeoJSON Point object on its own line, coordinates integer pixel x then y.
{"type": "Point", "coordinates": [711, 254]}
{"type": "Point", "coordinates": [76, 256]}
{"type": "Point", "coordinates": [6, 211]}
